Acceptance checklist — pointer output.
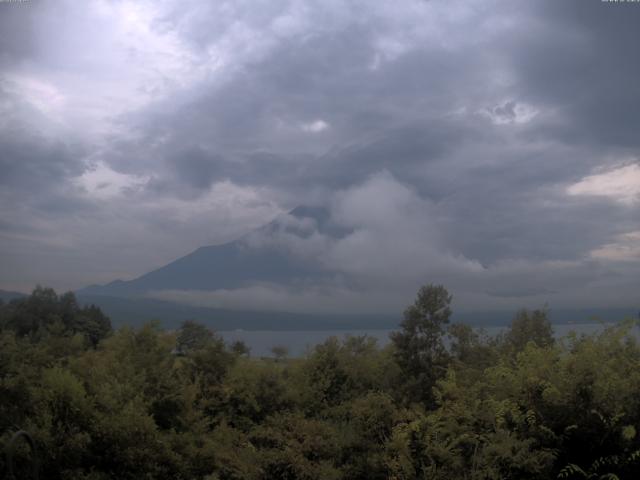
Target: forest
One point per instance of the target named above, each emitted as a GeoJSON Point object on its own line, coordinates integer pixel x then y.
{"type": "Point", "coordinates": [441, 401]}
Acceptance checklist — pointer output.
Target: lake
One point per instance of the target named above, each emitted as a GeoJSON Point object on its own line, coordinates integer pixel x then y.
{"type": "Point", "coordinates": [299, 342]}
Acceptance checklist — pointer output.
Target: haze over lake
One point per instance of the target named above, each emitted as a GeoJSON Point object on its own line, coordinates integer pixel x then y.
{"type": "Point", "coordinates": [299, 343]}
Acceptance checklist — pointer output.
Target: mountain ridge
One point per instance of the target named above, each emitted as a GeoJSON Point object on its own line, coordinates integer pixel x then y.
{"type": "Point", "coordinates": [252, 259]}
{"type": "Point", "coordinates": [230, 265]}
{"type": "Point", "coordinates": [8, 295]}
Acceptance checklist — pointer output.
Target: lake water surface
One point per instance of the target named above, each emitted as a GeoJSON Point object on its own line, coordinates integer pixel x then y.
{"type": "Point", "coordinates": [299, 342]}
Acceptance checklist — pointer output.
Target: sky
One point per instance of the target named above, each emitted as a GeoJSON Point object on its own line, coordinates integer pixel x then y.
{"type": "Point", "coordinates": [491, 146]}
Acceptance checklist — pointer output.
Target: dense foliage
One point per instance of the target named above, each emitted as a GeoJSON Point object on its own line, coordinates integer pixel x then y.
{"type": "Point", "coordinates": [442, 401]}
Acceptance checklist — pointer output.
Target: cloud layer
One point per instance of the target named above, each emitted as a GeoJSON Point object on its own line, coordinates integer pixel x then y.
{"type": "Point", "coordinates": [488, 145]}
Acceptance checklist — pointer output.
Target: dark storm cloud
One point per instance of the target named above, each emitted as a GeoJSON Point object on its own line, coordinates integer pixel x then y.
{"type": "Point", "coordinates": [394, 117]}
{"type": "Point", "coordinates": [197, 167]}
{"type": "Point", "coordinates": [30, 161]}
{"type": "Point", "coordinates": [581, 58]}
{"type": "Point", "coordinates": [486, 112]}
{"type": "Point", "coordinates": [34, 165]}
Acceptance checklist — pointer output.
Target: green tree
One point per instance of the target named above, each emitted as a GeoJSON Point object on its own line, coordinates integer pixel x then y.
{"type": "Point", "coordinates": [93, 324]}
{"type": "Point", "coordinates": [420, 351]}
{"type": "Point", "coordinates": [192, 336]}
{"type": "Point", "coordinates": [471, 348]}
{"type": "Point", "coordinates": [292, 447]}
{"type": "Point", "coordinates": [530, 327]}
{"type": "Point", "coordinates": [240, 348]}
{"type": "Point", "coordinates": [280, 352]}
{"type": "Point", "coordinates": [44, 313]}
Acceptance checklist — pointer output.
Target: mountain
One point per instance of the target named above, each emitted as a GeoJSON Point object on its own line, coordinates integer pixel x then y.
{"type": "Point", "coordinates": [136, 311]}
{"type": "Point", "coordinates": [7, 296]}
{"type": "Point", "coordinates": [259, 257]}
{"type": "Point", "coordinates": [248, 260]}
{"type": "Point", "coordinates": [255, 258]}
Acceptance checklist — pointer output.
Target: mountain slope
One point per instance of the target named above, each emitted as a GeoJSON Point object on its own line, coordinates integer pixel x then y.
{"type": "Point", "coordinates": [7, 295]}
{"type": "Point", "coordinates": [247, 260]}
{"type": "Point", "coordinates": [136, 311]}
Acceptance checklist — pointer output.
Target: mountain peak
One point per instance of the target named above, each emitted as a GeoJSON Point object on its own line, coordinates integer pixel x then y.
{"type": "Point", "coordinates": [236, 264]}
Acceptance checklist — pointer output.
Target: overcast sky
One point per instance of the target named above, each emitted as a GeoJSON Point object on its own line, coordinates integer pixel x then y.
{"type": "Point", "coordinates": [489, 145]}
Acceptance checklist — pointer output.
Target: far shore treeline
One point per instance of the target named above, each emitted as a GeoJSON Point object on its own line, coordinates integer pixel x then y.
{"type": "Point", "coordinates": [441, 401]}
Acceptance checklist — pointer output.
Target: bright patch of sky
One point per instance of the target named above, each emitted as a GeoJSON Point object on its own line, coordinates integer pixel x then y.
{"type": "Point", "coordinates": [621, 184]}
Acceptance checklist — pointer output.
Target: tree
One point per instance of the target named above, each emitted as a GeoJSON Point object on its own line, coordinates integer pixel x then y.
{"type": "Point", "coordinates": [419, 349]}
{"type": "Point", "coordinates": [463, 341]}
{"type": "Point", "coordinates": [93, 324]}
{"type": "Point", "coordinates": [28, 315]}
{"type": "Point", "coordinates": [44, 313]}
{"type": "Point", "coordinates": [240, 348]}
{"type": "Point", "coordinates": [471, 347]}
{"type": "Point", "coordinates": [280, 352]}
{"type": "Point", "coordinates": [193, 336]}
{"type": "Point", "coordinates": [530, 327]}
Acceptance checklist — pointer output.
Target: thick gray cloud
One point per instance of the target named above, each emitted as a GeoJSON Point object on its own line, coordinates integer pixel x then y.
{"type": "Point", "coordinates": [169, 125]}
{"type": "Point", "coordinates": [580, 60]}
